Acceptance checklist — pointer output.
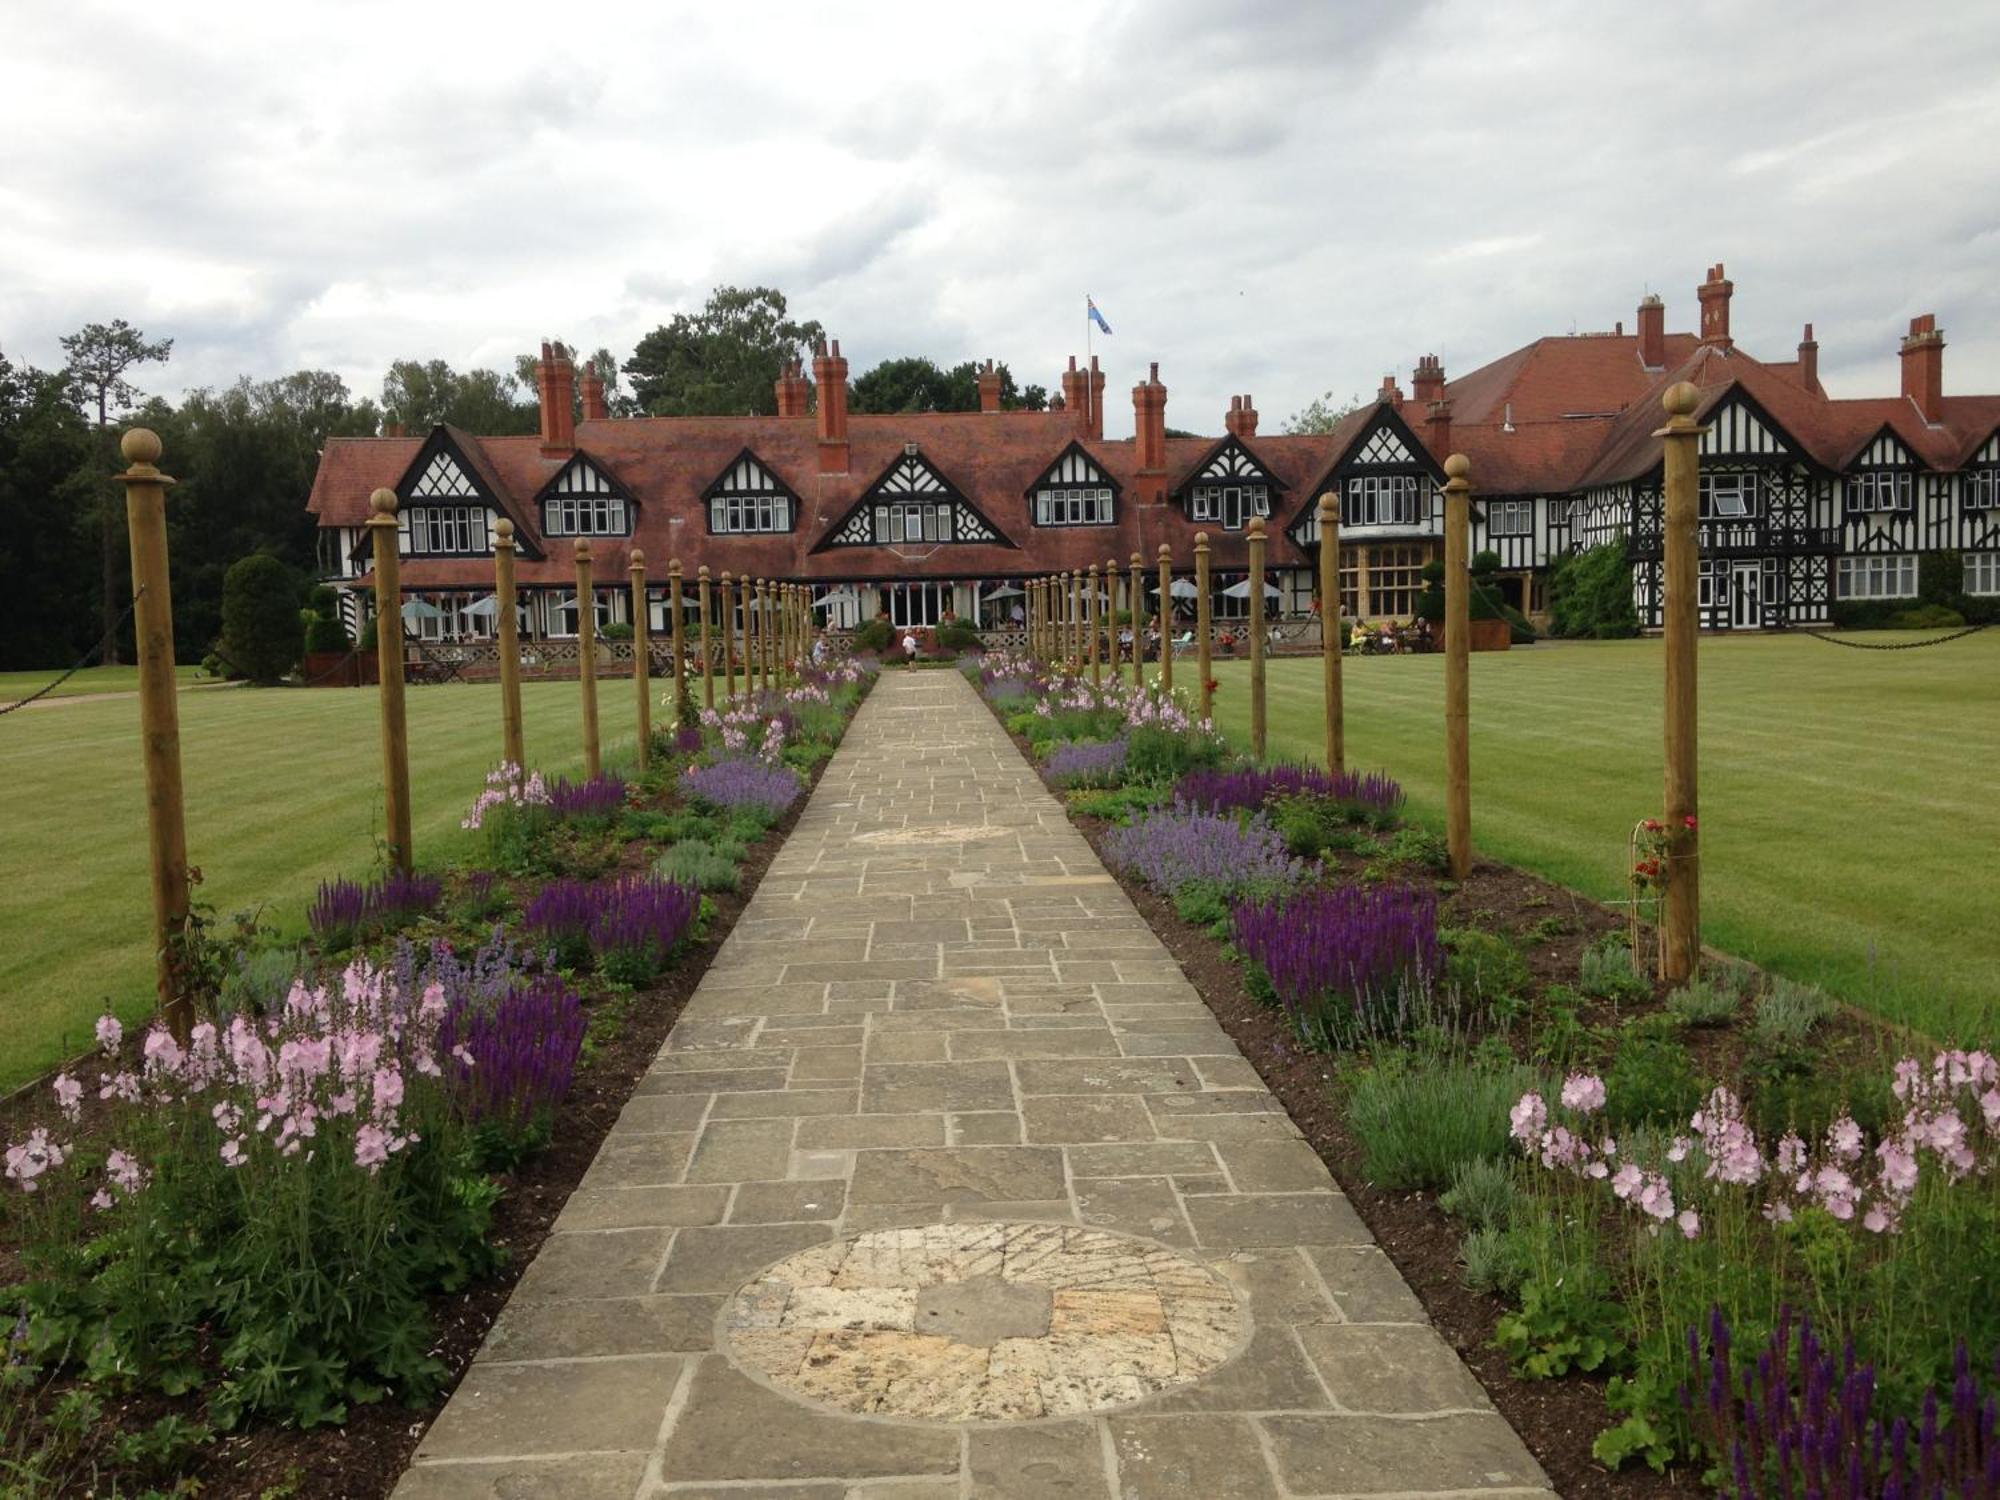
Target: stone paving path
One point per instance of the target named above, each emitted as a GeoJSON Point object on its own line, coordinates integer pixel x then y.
{"type": "Point", "coordinates": [947, 1186]}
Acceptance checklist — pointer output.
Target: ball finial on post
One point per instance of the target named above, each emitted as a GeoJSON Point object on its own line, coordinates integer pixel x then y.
{"type": "Point", "coordinates": [1681, 399]}
{"type": "Point", "coordinates": [140, 445]}
{"type": "Point", "coordinates": [1458, 466]}
{"type": "Point", "coordinates": [504, 529]}
{"type": "Point", "coordinates": [383, 502]}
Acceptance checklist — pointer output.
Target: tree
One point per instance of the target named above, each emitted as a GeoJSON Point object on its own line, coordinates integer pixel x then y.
{"type": "Point", "coordinates": [915, 383]}
{"type": "Point", "coordinates": [260, 618]}
{"type": "Point", "coordinates": [419, 394]}
{"type": "Point", "coordinates": [48, 567]}
{"type": "Point", "coordinates": [722, 361]}
{"type": "Point", "coordinates": [98, 356]}
{"type": "Point", "coordinates": [1321, 414]}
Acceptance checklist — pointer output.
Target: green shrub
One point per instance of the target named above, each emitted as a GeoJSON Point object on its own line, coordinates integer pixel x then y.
{"type": "Point", "coordinates": [1569, 1318]}
{"type": "Point", "coordinates": [325, 630]}
{"type": "Point", "coordinates": [1652, 1081]}
{"type": "Point", "coordinates": [1420, 1117]}
{"type": "Point", "coordinates": [1788, 1086]}
{"type": "Point", "coordinates": [1482, 1193]}
{"type": "Point", "coordinates": [876, 636]}
{"type": "Point", "coordinates": [260, 618]}
{"type": "Point", "coordinates": [1203, 903]}
{"type": "Point", "coordinates": [1484, 966]}
{"type": "Point", "coordinates": [1609, 971]}
{"type": "Point", "coordinates": [1561, 1038]}
{"type": "Point", "coordinates": [1118, 804]}
{"type": "Point", "coordinates": [616, 630]}
{"type": "Point", "coordinates": [803, 755]}
{"type": "Point", "coordinates": [1590, 593]}
{"type": "Point", "coordinates": [1492, 1261]}
{"type": "Point", "coordinates": [1156, 754]}
{"type": "Point", "coordinates": [1706, 1000]}
{"type": "Point", "coordinates": [957, 636]}
{"type": "Point", "coordinates": [686, 823]}
{"type": "Point", "coordinates": [1791, 1012]}
{"type": "Point", "coordinates": [711, 866]}
{"type": "Point", "coordinates": [1412, 846]}
{"type": "Point", "coordinates": [1926, 617]}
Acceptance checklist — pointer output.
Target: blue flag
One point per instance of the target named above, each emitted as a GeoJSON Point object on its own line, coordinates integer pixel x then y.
{"type": "Point", "coordinates": [1095, 316]}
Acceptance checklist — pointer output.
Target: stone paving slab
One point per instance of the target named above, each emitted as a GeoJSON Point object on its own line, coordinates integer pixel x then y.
{"type": "Point", "coordinates": [947, 1186]}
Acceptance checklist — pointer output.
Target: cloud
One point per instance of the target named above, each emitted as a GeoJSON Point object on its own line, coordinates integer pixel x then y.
{"type": "Point", "coordinates": [1284, 196]}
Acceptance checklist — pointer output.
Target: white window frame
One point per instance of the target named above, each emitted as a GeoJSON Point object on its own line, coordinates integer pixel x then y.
{"type": "Point", "coordinates": [1229, 506]}
{"type": "Point", "coordinates": [1881, 491]}
{"type": "Point", "coordinates": [1519, 516]}
{"type": "Point", "coordinates": [1741, 489]}
{"type": "Point", "coordinates": [1982, 489]}
{"type": "Point", "coordinates": [442, 531]}
{"type": "Point", "coordinates": [732, 512]}
{"type": "Point", "coordinates": [1876, 575]}
{"type": "Point", "coordinates": [586, 515]}
{"type": "Point", "coordinates": [1383, 500]}
{"type": "Point", "coordinates": [903, 521]}
{"type": "Point", "coordinates": [1982, 573]}
{"type": "Point", "coordinates": [1073, 505]}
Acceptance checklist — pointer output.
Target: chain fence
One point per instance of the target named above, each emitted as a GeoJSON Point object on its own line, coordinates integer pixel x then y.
{"type": "Point", "coordinates": [81, 662]}
{"type": "Point", "coordinates": [1833, 640]}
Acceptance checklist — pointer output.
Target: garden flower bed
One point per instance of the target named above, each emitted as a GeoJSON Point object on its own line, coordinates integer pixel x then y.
{"type": "Point", "coordinates": [422, 1083]}
{"type": "Point", "coordinates": [1569, 1165]}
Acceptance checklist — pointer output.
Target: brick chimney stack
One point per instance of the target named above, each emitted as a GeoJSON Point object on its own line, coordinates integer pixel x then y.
{"type": "Point", "coordinates": [1653, 333]}
{"type": "Point", "coordinates": [1427, 383]}
{"type": "Point", "coordinates": [989, 387]}
{"type": "Point", "coordinates": [594, 407]}
{"type": "Point", "coordinates": [1923, 367]}
{"type": "Point", "coordinates": [1241, 419]}
{"type": "Point", "coordinates": [1714, 295]}
{"type": "Point", "coordinates": [1809, 363]}
{"type": "Point", "coordinates": [1391, 394]}
{"type": "Point", "coordinates": [1437, 428]}
{"type": "Point", "coordinates": [558, 392]}
{"type": "Point", "coordinates": [1073, 400]}
{"type": "Point", "coordinates": [794, 390]}
{"type": "Point", "coordinates": [830, 372]}
{"type": "Point", "coordinates": [1149, 428]}
{"type": "Point", "coordinates": [1096, 400]}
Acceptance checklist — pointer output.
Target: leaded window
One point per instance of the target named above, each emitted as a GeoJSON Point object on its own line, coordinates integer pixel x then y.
{"type": "Point", "coordinates": [430, 530]}
{"type": "Point", "coordinates": [1881, 490]}
{"type": "Point", "coordinates": [1982, 489]}
{"type": "Point", "coordinates": [585, 515]}
{"type": "Point", "coordinates": [1073, 505]}
{"type": "Point", "coordinates": [1877, 576]}
{"type": "Point", "coordinates": [1510, 518]}
{"type": "Point", "coordinates": [1383, 500]}
{"type": "Point", "coordinates": [1229, 506]}
{"type": "Point", "coordinates": [1730, 497]}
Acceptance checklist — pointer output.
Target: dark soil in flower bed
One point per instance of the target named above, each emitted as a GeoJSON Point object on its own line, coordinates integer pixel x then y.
{"type": "Point", "coordinates": [363, 1459]}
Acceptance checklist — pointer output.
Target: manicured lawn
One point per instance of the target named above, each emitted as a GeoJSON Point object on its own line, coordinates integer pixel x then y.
{"type": "Point", "coordinates": [283, 790]}
{"type": "Point", "coordinates": [16, 685]}
{"type": "Point", "coordinates": [1850, 800]}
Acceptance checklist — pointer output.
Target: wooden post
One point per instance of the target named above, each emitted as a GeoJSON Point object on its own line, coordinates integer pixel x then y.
{"type": "Point", "coordinates": [1092, 603]}
{"type": "Point", "coordinates": [1135, 593]}
{"type": "Point", "coordinates": [586, 660]}
{"type": "Point", "coordinates": [1166, 619]}
{"type": "Point", "coordinates": [1257, 734]}
{"type": "Point", "coordinates": [642, 654]}
{"type": "Point", "coordinates": [1204, 660]}
{"type": "Point", "coordinates": [679, 638]}
{"type": "Point", "coordinates": [1329, 631]}
{"type": "Point", "coordinates": [506, 599]}
{"type": "Point", "coordinates": [767, 632]}
{"type": "Point", "coordinates": [389, 659]}
{"type": "Point", "coordinates": [1680, 907]}
{"type": "Point", "coordinates": [1034, 619]}
{"type": "Point", "coordinates": [1457, 641]}
{"type": "Point", "coordinates": [751, 654]}
{"type": "Point", "coordinates": [729, 637]}
{"type": "Point", "coordinates": [1111, 616]}
{"type": "Point", "coordinates": [707, 649]}
{"type": "Point", "coordinates": [159, 719]}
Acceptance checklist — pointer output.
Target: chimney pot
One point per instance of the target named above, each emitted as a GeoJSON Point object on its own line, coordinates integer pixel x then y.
{"type": "Point", "coordinates": [1809, 363]}
{"type": "Point", "coordinates": [1923, 367]}
{"type": "Point", "coordinates": [1652, 327]}
{"type": "Point", "coordinates": [1149, 426]}
{"type": "Point", "coordinates": [830, 372]}
{"type": "Point", "coordinates": [557, 385]}
{"type": "Point", "coordinates": [1713, 295]}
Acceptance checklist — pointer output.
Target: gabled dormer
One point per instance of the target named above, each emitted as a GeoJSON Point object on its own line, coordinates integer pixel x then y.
{"type": "Point", "coordinates": [747, 497]}
{"type": "Point", "coordinates": [1739, 430]}
{"type": "Point", "coordinates": [1075, 490]}
{"type": "Point", "coordinates": [1228, 486]}
{"type": "Point", "coordinates": [585, 499]}
{"type": "Point", "coordinates": [1980, 486]}
{"type": "Point", "coordinates": [1386, 480]}
{"type": "Point", "coordinates": [447, 501]}
{"type": "Point", "coordinates": [912, 504]}
{"type": "Point", "coordinates": [1882, 479]}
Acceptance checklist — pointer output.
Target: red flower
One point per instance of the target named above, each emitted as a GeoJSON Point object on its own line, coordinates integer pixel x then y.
{"type": "Point", "coordinates": [1652, 825]}
{"type": "Point", "coordinates": [1689, 820]}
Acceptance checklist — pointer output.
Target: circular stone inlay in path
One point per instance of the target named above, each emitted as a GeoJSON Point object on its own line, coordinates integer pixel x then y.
{"type": "Point", "coordinates": [937, 833]}
{"type": "Point", "coordinates": [984, 1322]}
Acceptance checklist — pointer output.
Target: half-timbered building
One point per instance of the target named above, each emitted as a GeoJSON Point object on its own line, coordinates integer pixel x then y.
{"type": "Point", "coordinates": [1805, 500]}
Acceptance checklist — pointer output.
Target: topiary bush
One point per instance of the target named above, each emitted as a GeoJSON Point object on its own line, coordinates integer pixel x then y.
{"type": "Point", "coordinates": [955, 636]}
{"type": "Point", "coordinates": [1590, 594]}
{"type": "Point", "coordinates": [260, 618]}
{"type": "Point", "coordinates": [876, 636]}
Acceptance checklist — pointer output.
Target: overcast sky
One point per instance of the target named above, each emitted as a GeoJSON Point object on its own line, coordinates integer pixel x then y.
{"type": "Point", "coordinates": [1278, 198]}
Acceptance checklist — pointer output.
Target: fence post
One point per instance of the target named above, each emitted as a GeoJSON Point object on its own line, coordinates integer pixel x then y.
{"type": "Point", "coordinates": [1680, 910]}
{"type": "Point", "coordinates": [642, 655]}
{"type": "Point", "coordinates": [767, 621]}
{"type": "Point", "coordinates": [1457, 642]}
{"type": "Point", "coordinates": [1166, 619]}
{"type": "Point", "coordinates": [1204, 660]}
{"type": "Point", "coordinates": [751, 654]}
{"type": "Point", "coordinates": [679, 640]}
{"type": "Point", "coordinates": [586, 659]}
{"type": "Point", "coordinates": [389, 660]}
{"type": "Point", "coordinates": [1093, 611]}
{"type": "Point", "coordinates": [1135, 594]}
{"type": "Point", "coordinates": [159, 719]}
{"type": "Point", "coordinates": [729, 637]}
{"type": "Point", "coordinates": [707, 650]}
{"type": "Point", "coordinates": [1329, 631]}
{"type": "Point", "coordinates": [1257, 735]}
{"type": "Point", "coordinates": [1075, 621]}
{"type": "Point", "coordinates": [506, 598]}
{"type": "Point", "coordinates": [1111, 617]}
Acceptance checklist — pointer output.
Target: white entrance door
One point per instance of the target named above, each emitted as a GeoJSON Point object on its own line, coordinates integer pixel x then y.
{"type": "Point", "coordinates": [1746, 596]}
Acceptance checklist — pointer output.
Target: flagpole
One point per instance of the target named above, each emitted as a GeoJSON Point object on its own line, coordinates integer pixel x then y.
{"type": "Point", "coordinates": [1089, 391]}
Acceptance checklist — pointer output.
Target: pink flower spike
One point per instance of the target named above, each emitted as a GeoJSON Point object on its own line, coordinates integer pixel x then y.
{"type": "Point", "coordinates": [109, 1033]}
{"type": "Point", "coordinates": [69, 1097]}
{"type": "Point", "coordinates": [1690, 1223]}
{"type": "Point", "coordinates": [1583, 1092]}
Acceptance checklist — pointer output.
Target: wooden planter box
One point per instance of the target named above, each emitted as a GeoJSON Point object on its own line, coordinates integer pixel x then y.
{"type": "Point", "coordinates": [319, 669]}
{"type": "Point", "coordinates": [1490, 635]}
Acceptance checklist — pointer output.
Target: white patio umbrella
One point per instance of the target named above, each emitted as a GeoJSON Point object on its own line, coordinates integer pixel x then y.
{"type": "Point", "coordinates": [482, 607]}
{"type": "Point", "coordinates": [1005, 591]}
{"type": "Point", "coordinates": [1184, 589]}
{"type": "Point", "coordinates": [1242, 590]}
{"type": "Point", "coordinates": [421, 609]}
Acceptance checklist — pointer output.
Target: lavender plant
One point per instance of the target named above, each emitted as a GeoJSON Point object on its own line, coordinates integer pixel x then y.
{"type": "Point", "coordinates": [1361, 796]}
{"type": "Point", "coordinates": [1086, 763]}
{"type": "Point", "coordinates": [740, 784]}
{"type": "Point", "coordinates": [1171, 847]}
